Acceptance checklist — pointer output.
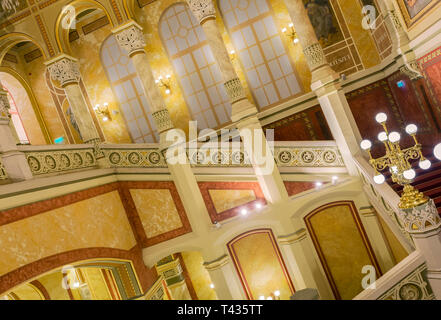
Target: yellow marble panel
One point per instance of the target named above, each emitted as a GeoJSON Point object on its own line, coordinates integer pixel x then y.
{"type": "Point", "coordinates": [95, 222]}
{"type": "Point", "coordinates": [199, 276]}
{"type": "Point", "coordinates": [53, 284]}
{"type": "Point", "coordinates": [157, 211]}
{"type": "Point", "coordinates": [96, 283]}
{"type": "Point", "coordinates": [398, 251]}
{"type": "Point", "coordinates": [224, 200]}
{"type": "Point", "coordinates": [343, 248]}
{"type": "Point", "coordinates": [260, 266]}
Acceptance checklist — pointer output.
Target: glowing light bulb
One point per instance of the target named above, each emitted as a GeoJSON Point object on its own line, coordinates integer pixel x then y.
{"type": "Point", "coordinates": [244, 212]}
{"type": "Point", "coordinates": [319, 184]}
{"type": "Point", "coordinates": [284, 30]}
{"type": "Point", "coordinates": [366, 144]}
{"type": "Point", "coordinates": [394, 137]}
{"type": "Point", "coordinates": [379, 179]}
{"type": "Point", "coordinates": [212, 286]}
{"type": "Point", "coordinates": [76, 284]}
{"type": "Point", "coordinates": [262, 298]}
{"type": "Point", "coordinates": [105, 119]}
{"type": "Point", "coordinates": [232, 52]}
{"type": "Point", "coordinates": [277, 293]}
{"type": "Point", "coordinates": [168, 76]}
{"type": "Point", "coordinates": [409, 174]}
{"type": "Point", "coordinates": [334, 179]}
{"type": "Point", "coordinates": [167, 91]}
{"type": "Point", "coordinates": [381, 117]}
{"type": "Point", "coordinates": [425, 164]}
{"type": "Point", "coordinates": [96, 107]}
{"type": "Point", "coordinates": [382, 136]}
{"type": "Point", "coordinates": [296, 40]}
{"type": "Point", "coordinates": [258, 205]}
{"type": "Point", "coordinates": [269, 298]}
{"type": "Point", "coordinates": [437, 151]}
{"type": "Point", "coordinates": [291, 25]}
{"type": "Point", "coordinates": [394, 169]}
{"type": "Point", "coordinates": [411, 129]}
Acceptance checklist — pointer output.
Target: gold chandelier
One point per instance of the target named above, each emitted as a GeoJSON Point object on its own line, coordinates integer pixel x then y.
{"type": "Point", "coordinates": [397, 160]}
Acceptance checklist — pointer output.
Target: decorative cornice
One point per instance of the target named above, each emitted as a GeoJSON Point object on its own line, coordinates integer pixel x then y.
{"type": "Point", "coordinates": [218, 263]}
{"type": "Point", "coordinates": [315, 56]}
{"type": "Point", "coordinates": [202, 9]}
{"type": "Point", "coordinates": [297, 236]}
{"type": "Point", "coordinates": [130, 37]}
{"type": "Point", "coordinates": [64, 69]}
{"type": "Point", "coordinates": [235, 90]}
{"type": "Point", "coordinates": [412, 70]}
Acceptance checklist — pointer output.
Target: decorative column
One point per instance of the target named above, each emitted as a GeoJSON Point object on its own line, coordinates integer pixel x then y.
{"type": "Point", "coordinates": [421, 219]}
{"type": "Point", "coordinates": [175, 279]}
{"type": "Point", "coordinates": [326, 84]}
{"type": "Point", "coordinates": [130, 37]}
{"type": "Point", "coordinates": [224, 277]}
{"type": "Point", "coordinates": [244, 112]}
{"type": "Point", "coordinates": [14, 162]}
{"type": "Point", "coordinates": [65, 70]}
{"type": "Point", "coordinates": [377, 238]}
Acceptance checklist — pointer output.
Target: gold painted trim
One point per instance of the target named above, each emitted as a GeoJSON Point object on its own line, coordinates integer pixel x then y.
{"type": "Point", "coordinates": [17, 35]}
{"type": "Point", "coordinates": [412, 22]}
{"type": "Point", "coordinates": [34, 102]}
{"type": "Point", "coordinates": [59, 31]}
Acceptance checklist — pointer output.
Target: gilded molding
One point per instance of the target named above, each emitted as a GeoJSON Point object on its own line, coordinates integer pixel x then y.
{"type": "Point", "coordinates": [315, 56]}
{"type": "Point", "coordinates": [218, 263]}
{"type": "Point", "coordinates": [412, 70]}
{"type": "Point", "coordinates": [235, 90]}
{"type": "Point", "coordinates": [202, 9]}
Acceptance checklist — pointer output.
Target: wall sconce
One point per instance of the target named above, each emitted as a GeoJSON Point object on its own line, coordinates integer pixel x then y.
{"type": "Point", "coordinates": [232, 55]}
{"type": "Point", "coordinates": [291, 33]}
{"type": "Point", "coordinates": [164, 82]}
{"type": "Point", "coordinates": [104, 112]}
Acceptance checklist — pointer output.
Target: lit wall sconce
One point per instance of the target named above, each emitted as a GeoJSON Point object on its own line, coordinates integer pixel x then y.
{"type": "Point", "coordinates": [164, 82]}
{"type": "Point", "coordinates": [291, 33]}
{"type": "Point", "coordinates": [104, 112]}
{"type": "Point", "coordinates": [232, 54]}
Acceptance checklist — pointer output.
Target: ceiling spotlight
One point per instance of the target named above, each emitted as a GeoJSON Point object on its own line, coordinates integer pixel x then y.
{"type": "Point", "coordinates": [277, 293]}
{"type": "Point", "coordinates": [258, 205]}
{"type": "Point", "coordinates": [318, 184]}
{"type": "Point", "coordinates": [212, 286]}
{"type": "Point", "coordinates": [244, 212]}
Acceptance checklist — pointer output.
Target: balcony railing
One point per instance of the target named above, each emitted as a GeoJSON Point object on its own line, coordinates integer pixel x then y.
{"type": "Point", "coordinates": [406, 281]}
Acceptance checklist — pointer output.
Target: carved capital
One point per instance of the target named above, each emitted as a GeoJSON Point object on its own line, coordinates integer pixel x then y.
{"type": "Point", "coordinates": [162, 120]}
{"type": "Point", "coordinates": [202, 9]}
{"type": "Point", "coordinates": [130, 38]}
{"type": "Point", "coordinates": [4, 105]}
{"type": "Point", "coordinates": [217, 264]}
{"type": "Point", "coordinates": [412, 70]}
{"type": "Point", "coordinates": [65, 70]}
{"type": "Point", "coordinates": [315, 56]}
{"type": "Point", "coordinates": [421, 219]}
{"type": "Point", "coordinates": [235, 90]}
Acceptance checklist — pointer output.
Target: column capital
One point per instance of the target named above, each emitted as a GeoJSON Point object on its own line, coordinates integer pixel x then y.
{"type": "Point", "coordinates": [292, 238]}
{"type": "Point", "coordinates": [64, 69]}
{"type": "Point", "coordinates": [4, 105]}
{"type": "Point", "coordinates": [130, 37]}
{"type": "Point", "coordinates": [162, 120]}
{"type": "Point", "coordinates": [421, 219]}
{"type": "Point", "coordinates": [235, 90]}
{"type": "Point", "coordinates": [315, 56]}
{"type": "Point", "coordinates": [202, 9]}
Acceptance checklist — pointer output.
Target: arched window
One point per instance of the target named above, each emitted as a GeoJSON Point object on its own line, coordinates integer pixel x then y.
{"type": "Point", "coordinates": [196, 69]}
{"type": "Point", "coordinates": [16, 119]}
{"type": "Point", "coordinates": [257, 41]}
{"type": "Point", "coordinates": [128, 89]}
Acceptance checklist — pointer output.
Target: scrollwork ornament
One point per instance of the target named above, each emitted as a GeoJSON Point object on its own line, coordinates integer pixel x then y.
{"type": "Point", "coordinates": [65, 70]}
{"type": "Point", "coordinates": [235, 90]}
{"type": "Point", "coordinates": [315, 56]}
{"type": "Point", "coordinates": [131, 39]}
{"type": "Point", "coordinates": [202, 9]}
{"type": "Point", "coordinates": [421, 219]}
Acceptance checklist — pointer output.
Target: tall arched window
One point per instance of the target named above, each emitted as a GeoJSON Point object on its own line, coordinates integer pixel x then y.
{"type": "Point", "coordinates": [128, 89]}
{"type": "Point", "coordinates": [258, 42]}
{"type": "Point", "coordinates": [16, 119]}
{"type": "Point", "coordinates": [194, 63]}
